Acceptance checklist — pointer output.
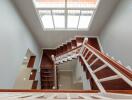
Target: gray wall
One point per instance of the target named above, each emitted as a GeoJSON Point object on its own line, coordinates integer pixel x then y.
{"type": "Point", "coordinates": [15, 39]}
{"type": "Point", "coordinates": [116, 38]}
{"type": "Point", "coordinates": [79, 76]}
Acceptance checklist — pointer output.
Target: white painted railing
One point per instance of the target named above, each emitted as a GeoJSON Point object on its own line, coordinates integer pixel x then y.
{"type": "Point", "coordinates": [55, 73]}
{"type": "Point", "coordinates": [127, 80]}
{"type": "Point", "coordinates": [67, 56]}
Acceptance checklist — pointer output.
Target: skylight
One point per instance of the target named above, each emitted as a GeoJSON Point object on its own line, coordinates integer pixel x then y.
{"type": "Point", "coordinates": [58, 18]}
{"type": "Point", "coordinates": [65, 14]}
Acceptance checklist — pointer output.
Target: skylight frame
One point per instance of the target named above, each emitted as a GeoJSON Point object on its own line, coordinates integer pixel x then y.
{"type": "Point", "coordinates": [66, 16]}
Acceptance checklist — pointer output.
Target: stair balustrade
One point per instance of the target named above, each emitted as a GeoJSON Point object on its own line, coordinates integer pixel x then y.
{"type": "Point", "coordinates": [91, 57]}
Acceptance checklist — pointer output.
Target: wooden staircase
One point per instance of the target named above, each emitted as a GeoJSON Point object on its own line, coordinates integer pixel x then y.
{"type": "Point", "coordinates": [47, 78]}
{"type": "Point", "coordinates": [47, 70]}
{"type": "Point", "coordinates": [103, 72]}
{"type": "Point", "coordinates": [109, 79]}
{"type": "Point", "coordinates": [47, 61]}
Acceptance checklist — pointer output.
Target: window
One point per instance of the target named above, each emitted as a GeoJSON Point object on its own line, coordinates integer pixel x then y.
{"type": "Point", "coordinates": [73, 14]}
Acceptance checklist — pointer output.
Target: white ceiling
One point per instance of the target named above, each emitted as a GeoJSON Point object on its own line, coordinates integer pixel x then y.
{"type": "Point", "coordinates": [51, 39]}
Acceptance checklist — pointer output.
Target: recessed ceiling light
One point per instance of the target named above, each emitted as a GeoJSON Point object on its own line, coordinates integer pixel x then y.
{"type": "Point", "coordinates": [24, 79]}
{"type": "Point", "coordinates": [25, 58]}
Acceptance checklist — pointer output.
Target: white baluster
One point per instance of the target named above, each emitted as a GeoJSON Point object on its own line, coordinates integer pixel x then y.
{"type": "Point", "coordinates": [119, 62]}
{"type": "Point", "coordinates": [129, 67]}
{"type": "Point", "coordinates": [113, 58]}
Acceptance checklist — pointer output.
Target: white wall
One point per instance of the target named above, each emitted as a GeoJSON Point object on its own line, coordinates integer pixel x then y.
{"type": "Point", "coordinates": [80, 76]}
{"type": "Point", "coordinates": [116, 38]}
{"type": "Point", "coordinates": [22, 83]}
{"type": "Point", "coordinates": [66, 81]}
{"type": "Point", "coordinates": [15, 39]}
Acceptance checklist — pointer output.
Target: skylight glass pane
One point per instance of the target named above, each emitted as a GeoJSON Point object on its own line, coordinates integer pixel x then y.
{"type": "Point", "coordinates": [73, 12]}
{"type": "Point", "coordinates": [44, 12]}
{"type": "Point", "coordinates": [58, 12]}
{"type": "Point", "coordinates": [59, 18]}
{"type": "Point", "coordinates": [87, 12]}
{"type": "Point", "coordinates": [84, 21]}
{"type": "Point", "coordinates": [73, 17]}
{"type": "Point", "coordinates": [47, 21]}
{"type": "Point", "coordinates": [72, 21]}
{"type": "Point", "coordinates": [81, 3]}
{"type": "Point", "coordinates": [50, 3]}
{"type": "Point", "coordinates": [59, 21]}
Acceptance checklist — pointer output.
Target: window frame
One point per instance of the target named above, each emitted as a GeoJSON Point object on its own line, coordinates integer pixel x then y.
{"type": "Point", "coordinates": [66, 9]}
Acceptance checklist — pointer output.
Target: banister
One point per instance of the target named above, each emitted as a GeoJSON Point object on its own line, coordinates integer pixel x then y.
{"type": "Point", "coordinates": [66, 91]}
{"type": "Point", "coordinates": [115, 64]}
{"type": "Point", "coordinates": [55, 73]}
{"type": "Point", "coordinates": [101, 88]}
{"type": "Point", "coordinates": [49, 90]}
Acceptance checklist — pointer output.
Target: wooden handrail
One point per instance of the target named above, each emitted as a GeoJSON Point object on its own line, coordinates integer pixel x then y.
{"type": "Point", "coordinates": [114, 63]}
{"type": "Point", "coordinates": [66, 91]}
{"type": "Point", "coordinates": [120, 91]}
{"type": "Point", "coordinates": [69, 51]}
{"type": "Point", "coordinates": [48, 90]}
